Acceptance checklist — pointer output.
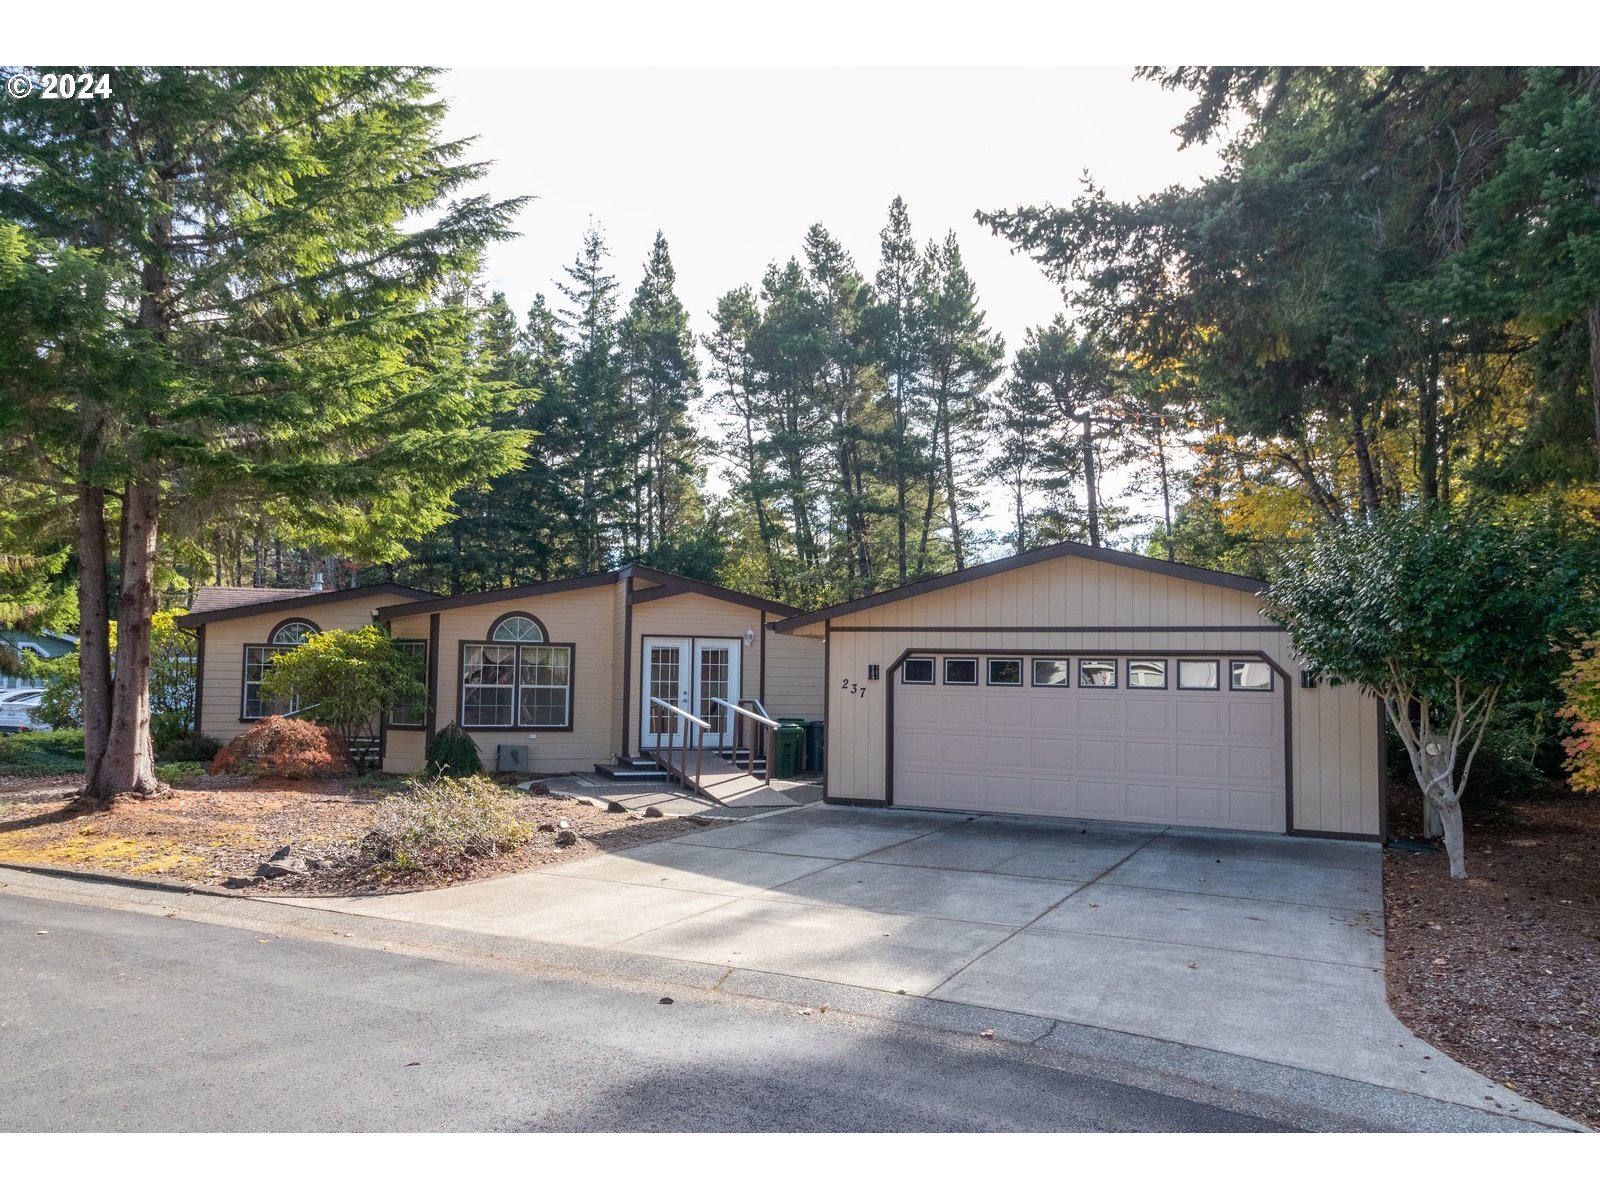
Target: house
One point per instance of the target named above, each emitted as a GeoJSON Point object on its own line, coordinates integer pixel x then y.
{"type": "Point", "coordinates": [1077, 682]}
{"type": "Point", "coordinates": [43, 644]}
{"type": "Point", "coordinates": [571, 674]}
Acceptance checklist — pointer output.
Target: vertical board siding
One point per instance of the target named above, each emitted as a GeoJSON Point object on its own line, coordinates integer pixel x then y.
{"type": "Point", "coordinates": [1334, 738]}
{"type": "Point", "coordinates": [794, 676]}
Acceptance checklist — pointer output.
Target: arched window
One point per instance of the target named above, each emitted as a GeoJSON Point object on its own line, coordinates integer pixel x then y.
{"type": "Point", "coordinates": [517, 679]}
{"type": "Point", "coordinates": [293, 632]}
{"type": "Point", "coordinates": [284, 636]}
{"type": "Point", "coordinates": [517, 627]}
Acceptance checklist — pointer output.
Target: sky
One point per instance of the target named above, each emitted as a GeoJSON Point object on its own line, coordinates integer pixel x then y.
{"type": "Point", "coordinates": [734, 164]}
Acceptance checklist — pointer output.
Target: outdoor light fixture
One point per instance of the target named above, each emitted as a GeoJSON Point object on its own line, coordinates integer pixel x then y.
{"type": "Point", "coordinates": [749, 637]}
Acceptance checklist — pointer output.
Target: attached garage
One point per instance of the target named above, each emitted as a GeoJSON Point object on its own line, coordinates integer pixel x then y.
{"type": "Point", "coordinates": [1084, 683]}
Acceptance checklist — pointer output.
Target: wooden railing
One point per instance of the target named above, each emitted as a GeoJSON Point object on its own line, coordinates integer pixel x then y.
{"type": "Point", "coordinates": [751, 711]}
{"type": "Point", "coordinates": [688, 729]}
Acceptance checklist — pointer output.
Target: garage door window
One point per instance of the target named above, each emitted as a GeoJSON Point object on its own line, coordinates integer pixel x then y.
{"type": "Point", "coordinates": [1197, 675]}
{"type": "Point", "coordinates": [961, 671]}
{"type": "Point", "coordinates": [1097, 673]}
{"type": "Point", "coordinates": [1005, 672]}
{"type": "Point", "coordinates": [1049, 672]}
{"type": "Point", "coordinates": [917, 670]}
{"type": "Point", "coordinates": [1249, 677]}
{"type": "Point", "coordinates": [1147, 672]}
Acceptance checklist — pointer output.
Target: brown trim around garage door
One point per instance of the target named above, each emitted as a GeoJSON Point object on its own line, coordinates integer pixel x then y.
{"type": "Point", "coordinates": [1263, 656]}
{"type": "Point", "coordinates": [627, 665]}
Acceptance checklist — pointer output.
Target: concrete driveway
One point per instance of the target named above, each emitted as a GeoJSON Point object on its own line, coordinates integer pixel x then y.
{"type": "Point", "coordinates": [1265, 947]}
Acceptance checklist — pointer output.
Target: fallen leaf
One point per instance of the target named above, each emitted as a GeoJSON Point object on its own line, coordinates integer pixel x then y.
{"type": "Point", "coordinates": [42, 932]}
{"type": "Point", "coordinates": [413, 1064]}
{"type": "Point", "coordinates": [1192, 967]}
{"type": "Point", "coordinates": [1438, 962]}
{"type": "Point", "coordinates": [804, 1012]}
{"type": "Point", "coordinates": [665, 1000]}
{"type": "Point", "coordinates": [987, 1033]}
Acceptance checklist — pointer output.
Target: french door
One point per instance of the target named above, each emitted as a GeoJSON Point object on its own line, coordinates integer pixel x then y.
{"type": "Point", "coordinates": [691, 673]}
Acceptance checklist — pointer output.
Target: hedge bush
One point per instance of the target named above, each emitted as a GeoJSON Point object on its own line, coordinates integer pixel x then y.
{"type": "Point", "coordinates": [191, 747]}
{"type": "Point", "coordinates": [437, 825]}
{"type": "Point", "coordinates": [285, 747]}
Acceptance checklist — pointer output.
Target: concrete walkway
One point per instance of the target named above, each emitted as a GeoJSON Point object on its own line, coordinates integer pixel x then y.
{"type": "Point", "coordinates": [1262, 947]}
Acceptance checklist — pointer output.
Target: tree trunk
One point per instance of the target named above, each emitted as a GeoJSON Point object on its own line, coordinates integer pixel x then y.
{"type": "Point", "coordinates": [1369, 481]}
{"type": "Point", "coordinates": [1428, 431]}
{"type": "Point", "coordinates": [1091, 485]}
{"type": "Point", "coordinates": [94, 623]}
{"type": "Point", "coordinates": [950, 487]}
{"type": "Point", "coordinates": [1594, 372]}
{"type": "Point", "coordinates": [1166, 485]}
{"type": "Point", "coordinates": [1442, 800]}
{"type": "Point", "coordinates": [128, 765]}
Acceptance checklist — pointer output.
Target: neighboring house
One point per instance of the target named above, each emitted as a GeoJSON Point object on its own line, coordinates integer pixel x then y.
{"type": "Point", "coordinates": [45, 645]}
{"type": "Point", "coordinates": [1092, 684]}
{"type": "Point", "coordinates": [563, 671]}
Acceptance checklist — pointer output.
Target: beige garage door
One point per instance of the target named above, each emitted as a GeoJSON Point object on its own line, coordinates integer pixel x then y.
{"type": "Point", "coordinates": [1112, 738]}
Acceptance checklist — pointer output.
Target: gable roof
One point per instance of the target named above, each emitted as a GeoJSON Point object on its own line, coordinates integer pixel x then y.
{"type": "Point", "coordinates": [208, 598]}
{"type": "Point", "coordinates": [1016, 562]}
{"type": "Point", "coordinates": [601, 579]}
{"type": "Point", "coordinates": [286, 598]}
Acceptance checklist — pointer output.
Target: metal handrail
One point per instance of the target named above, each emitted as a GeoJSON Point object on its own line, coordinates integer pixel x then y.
{"type": "Point", "coordinates": [760, 722]}
{"type": "Point", "coordinates": [760, 717]}
{"type": "Point", "coordinates": [685, 714]}
{"type": "Point", "coordinates": [691, 724]}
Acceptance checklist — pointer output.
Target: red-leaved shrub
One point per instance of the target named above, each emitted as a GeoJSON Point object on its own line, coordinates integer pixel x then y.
{"type": "Point", "coordinates": [284, 747]}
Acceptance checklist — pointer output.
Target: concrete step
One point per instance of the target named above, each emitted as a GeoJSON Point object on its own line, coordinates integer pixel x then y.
{"type": "Point", "coordinates": [630, 773]}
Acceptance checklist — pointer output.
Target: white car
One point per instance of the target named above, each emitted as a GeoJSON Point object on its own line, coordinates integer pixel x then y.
{"type": "Point", "coordinates": [17, 711]}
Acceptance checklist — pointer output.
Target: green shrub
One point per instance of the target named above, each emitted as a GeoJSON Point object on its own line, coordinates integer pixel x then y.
{"type": "Point", "coordinates": [191, 747]}
{"type": "Point", "coordinates": [439, 824]}
{"type": "Point", "coordinates": [454, 753]}
{"type": "Point", "coordinates": [53, 752]}
{"type": "Point", "coordinates": [178, 772]}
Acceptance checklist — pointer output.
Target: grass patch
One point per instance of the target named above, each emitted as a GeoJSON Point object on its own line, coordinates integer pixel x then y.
{"type": "Point", "coordinates": [57, 752]}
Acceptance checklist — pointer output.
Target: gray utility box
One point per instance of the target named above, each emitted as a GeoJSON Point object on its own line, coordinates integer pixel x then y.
{"type": "Point", "coordinates": [511, 757]}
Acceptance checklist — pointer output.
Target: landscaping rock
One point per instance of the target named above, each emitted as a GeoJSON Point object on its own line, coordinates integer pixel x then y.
{"type": "Point", "coordinates": [281, 853]}
{"type": "Point", "coordinates": [277, 870]}
{"type": "Point", "coordinates": [653, 811]}
{"type": "Point", "coordinates": [546, 827]}
{"type": "Point", "coordinates": [239, 881]}
{"type": "Point", "coordinates": [566, 838]}
{"type": "Point", "coordinates": [614, 807]}
{"type": "Point", "coordinates": [538, 789]}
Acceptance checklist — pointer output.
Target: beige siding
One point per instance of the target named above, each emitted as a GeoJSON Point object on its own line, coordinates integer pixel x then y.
{"type": "Point", "coordinates": [405, 750]}
{"type": "Point", "coordinates": [691, 615]}
{"type": "Point", "coordinates": [1068, 605]}
{"type": "Point", "coordinates": [582, 617]}
{"type": "Point", "coordinates": [222, 693]}
{"type": "Point", "coordinates": [794, 676]}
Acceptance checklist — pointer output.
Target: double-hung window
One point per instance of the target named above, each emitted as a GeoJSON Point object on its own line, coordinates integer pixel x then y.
{"type": "Point", "coordinates": [284, 636]}
{"type": "Point", "coordinates": [517, 679]}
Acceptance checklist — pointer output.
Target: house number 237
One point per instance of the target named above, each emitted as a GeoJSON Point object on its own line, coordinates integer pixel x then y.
{"type": "Point", "coordinates": [855, 689]}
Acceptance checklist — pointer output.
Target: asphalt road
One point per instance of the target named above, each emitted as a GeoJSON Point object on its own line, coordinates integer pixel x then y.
{"type": "Point", "coordinates": [119, 1021]}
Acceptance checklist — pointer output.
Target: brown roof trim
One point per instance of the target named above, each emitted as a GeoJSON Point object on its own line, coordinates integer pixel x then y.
{"type": "Point", "coordinates": [299, 600]}
{"type": "Point", "coordinates": [1119, 558]}
{"type": "Point", "coordinates": [498, 596]}
{"type": "Point", "coordinates": [634, 571]}
{"type": "Point", "coordinates": [743, 599]}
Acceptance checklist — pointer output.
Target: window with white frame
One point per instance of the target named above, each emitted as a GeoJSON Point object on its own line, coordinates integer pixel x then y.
{"type": "Point", "coordinates": [1147, 672]}
{"type": "Point", "coordinates": [1050, 672]}
{"type": "Point", "coordinates": [517, 679]}
{"type": "Point", "coordinates": [1005, 672]}
{"type": "Point", "coordinates": [917, 670]}
{"type": "Point", "coordinates": [962, 672]}
{"type": "Point", "coordinates": [1249, 676]}
{"type": "Point", "coordinates": [1197, 674]}
{"type": "Point", "coordinates": [1097, 672]}
{"type": "Point", "coordinates": [285, 636]}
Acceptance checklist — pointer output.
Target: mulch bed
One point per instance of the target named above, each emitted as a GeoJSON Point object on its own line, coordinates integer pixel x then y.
{"type": "Point", "coordinates": [1502, 969]}
{"type": "Point", "coordinates": [216, 827]}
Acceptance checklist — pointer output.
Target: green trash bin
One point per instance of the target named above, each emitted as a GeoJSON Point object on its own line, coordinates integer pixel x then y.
{"type": "Point", "coordinates": [816, 747]}
{"type": "Point", "coordinates": [788, 745]}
